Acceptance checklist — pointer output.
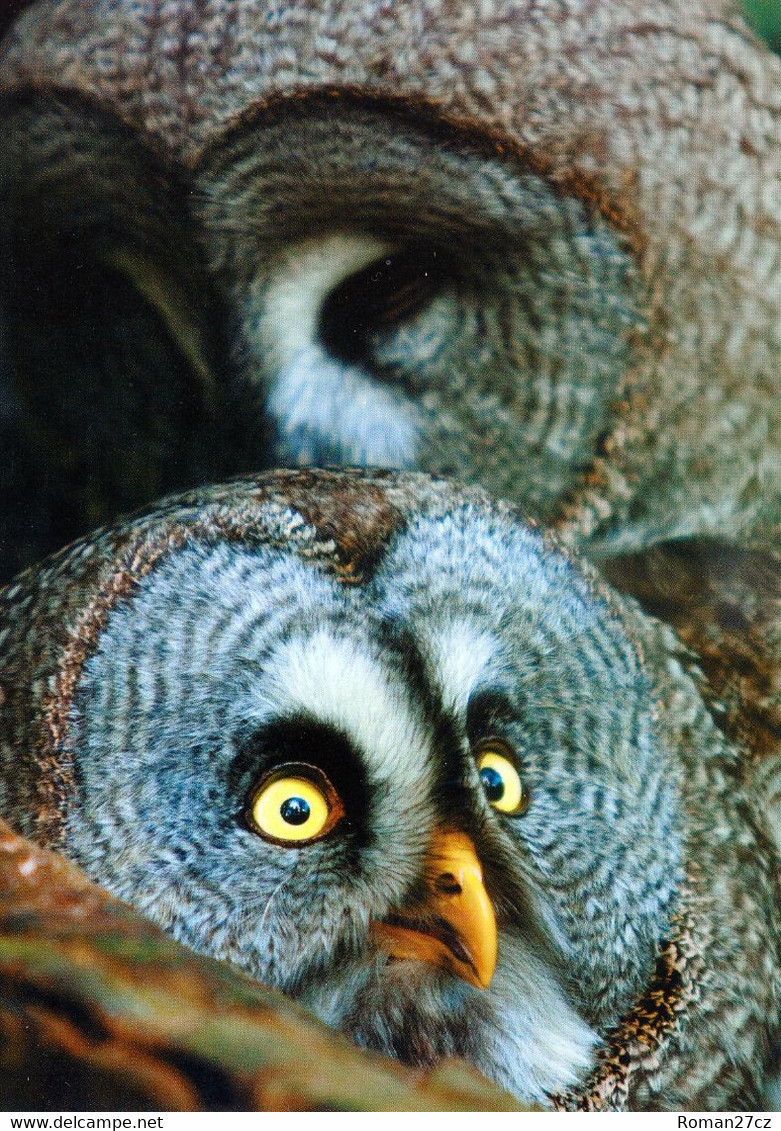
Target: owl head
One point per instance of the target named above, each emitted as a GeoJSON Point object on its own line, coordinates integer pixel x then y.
{"type": "Point", "coordinates": [532, 247]}
{"type": "Point", "coordinates": [372, 738]}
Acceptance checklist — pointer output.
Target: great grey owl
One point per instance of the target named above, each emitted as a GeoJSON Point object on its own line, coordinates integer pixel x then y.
{"type": "Point", "coordinates": [534, 245]}
{"type": "Point", "coordinates": [531, 244]}
{"type": "Point", "coordinates": [389, 748]}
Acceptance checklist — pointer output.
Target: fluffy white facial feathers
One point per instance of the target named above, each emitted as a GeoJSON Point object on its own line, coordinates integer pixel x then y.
{"type": "Point", "coordinates": [338, 681]}
{"type": "Point", "coordinates": [459, 653]}
{"type": "Point", "coordinates": [319, 404]}
{"type": "Point", "coordinates": [297, 287]}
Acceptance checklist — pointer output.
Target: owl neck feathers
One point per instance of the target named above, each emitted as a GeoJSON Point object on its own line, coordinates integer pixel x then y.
{"type": "Point", "coordinates": [634, 1050]}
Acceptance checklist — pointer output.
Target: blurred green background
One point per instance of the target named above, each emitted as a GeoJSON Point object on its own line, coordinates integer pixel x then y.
{"type": "Point", "coordinates": [765, 16]}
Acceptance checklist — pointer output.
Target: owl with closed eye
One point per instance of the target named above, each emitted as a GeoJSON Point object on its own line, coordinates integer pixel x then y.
{"type": "Point", "coordinates": [378, 741]}
{"type": "Point", "coordinates": [533, 245]}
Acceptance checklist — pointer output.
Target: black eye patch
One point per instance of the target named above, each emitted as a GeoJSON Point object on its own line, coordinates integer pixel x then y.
{"type": "Point", "coordinates": [296, 739]}
{"type": "Point", "coordinates": [486, 713]}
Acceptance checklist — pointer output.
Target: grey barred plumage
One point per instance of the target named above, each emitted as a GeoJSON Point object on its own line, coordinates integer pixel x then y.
{"type": "Point", "coordinates": [534, 245]}
{"type": "Point", "coordinates": [383, 634]}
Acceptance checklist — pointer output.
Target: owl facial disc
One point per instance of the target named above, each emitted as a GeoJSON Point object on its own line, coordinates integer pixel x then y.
{"type": "Point", "coordinates": [455, 926]}
{"type": "Point", "coordinates": [420, 742]}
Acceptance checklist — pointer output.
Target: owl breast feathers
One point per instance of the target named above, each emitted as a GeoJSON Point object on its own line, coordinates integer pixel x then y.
{"type": "Point", "coordinates": [390, 749]}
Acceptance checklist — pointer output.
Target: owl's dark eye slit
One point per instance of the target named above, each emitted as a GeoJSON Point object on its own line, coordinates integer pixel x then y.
{"type": "Point", "coordinates": [385, 294]}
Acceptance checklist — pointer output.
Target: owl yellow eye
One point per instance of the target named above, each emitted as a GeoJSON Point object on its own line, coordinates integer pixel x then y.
{"type": "Point", "coordinates": [501, 778]}
{"type": "Point", "coordinates": [294, 804]}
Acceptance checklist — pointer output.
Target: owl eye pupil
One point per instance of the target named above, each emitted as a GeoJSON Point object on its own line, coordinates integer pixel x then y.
{"type": "Point", "coordinates": [492, 783]}
{"type": "Point", "coordinates": [500, 777]}
{"type": "Point", "coordinates": [293, 805]}
{"type": "Point", "coordinates": [294, 810]}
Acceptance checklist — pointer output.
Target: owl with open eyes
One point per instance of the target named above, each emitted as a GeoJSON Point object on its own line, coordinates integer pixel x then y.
{"type": "Point", "coordinates": [388, 748]}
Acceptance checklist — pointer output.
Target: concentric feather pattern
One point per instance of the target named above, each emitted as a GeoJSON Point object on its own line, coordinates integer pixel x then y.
{"type": "Point", "coordinates": [533, 245]}
{"type": "Point", "coordinates": [378, 630]}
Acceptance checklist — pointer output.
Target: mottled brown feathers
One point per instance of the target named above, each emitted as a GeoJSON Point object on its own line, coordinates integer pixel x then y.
{"type": "Point", "coordinates": [663, 116]}
{"type": "Point", "coordinates": [725, 603]}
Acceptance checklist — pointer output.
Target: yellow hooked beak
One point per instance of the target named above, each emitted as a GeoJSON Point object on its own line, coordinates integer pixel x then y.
{"type": "Point", "coordinates": [455, 926]}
